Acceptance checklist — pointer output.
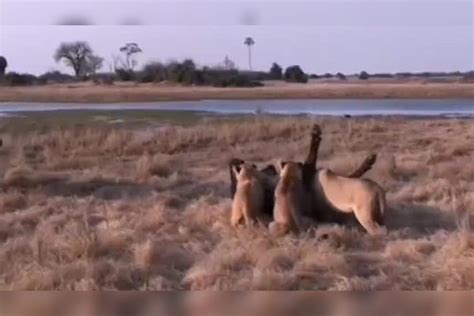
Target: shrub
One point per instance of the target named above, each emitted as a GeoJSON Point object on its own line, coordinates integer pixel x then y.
{"type": "Point", "coordinates": [469, 76]}
{"type": "Point", "coordinates": [341, 76]}
{"type": "Point", "coordinates": [226, 78]}
{"type": "Point", "coordinates": [364, 75]}
{"type": "Point", "coordinates": [153, 72]}
{"type": "Point", "coordinates": [382, 75]}
{"type": "Point", "coordinates": [295, 74]}
{"type": "Point", "coordinates": [184, 72]}
{"type": "Point", "coordinates": [124, 74]}
{"type": "Point", "coordinates": [16, 79]}
{"type": "Point", "coordinates": [187, 73]}
{"type": "Point", "coordinates": [103, 78]}
{"type": "Point", "coordinates": [276, 72]}
{"type": "Point", "coordinates": [55, 76]}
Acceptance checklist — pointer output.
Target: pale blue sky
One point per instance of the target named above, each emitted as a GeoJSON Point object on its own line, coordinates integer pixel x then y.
{"type": "Point", "coordinates": [321, 36]}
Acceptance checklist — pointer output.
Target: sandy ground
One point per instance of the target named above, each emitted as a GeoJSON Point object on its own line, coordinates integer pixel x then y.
{"type": "Point", "coordinates": [132, 92]}
{"type": "Point", "coordinates": [140, 206]}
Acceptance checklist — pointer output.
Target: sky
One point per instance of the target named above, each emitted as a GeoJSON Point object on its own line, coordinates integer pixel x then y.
{"type": "Point", "coordinates": [320, 36]}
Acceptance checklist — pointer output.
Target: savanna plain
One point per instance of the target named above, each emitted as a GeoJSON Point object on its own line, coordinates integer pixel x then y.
{"type": "Point", "coordinates": [142, 202]}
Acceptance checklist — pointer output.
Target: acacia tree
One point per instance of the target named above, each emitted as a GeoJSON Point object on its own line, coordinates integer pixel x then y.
{"type": "Point", "coordinates": [79, 56]}
{"type": "Point", "coordinates": [3, 66]}
{"type": "Point", "coordinates": [249, 42]}
{"type": "Point", "coordinates": [130, 49]}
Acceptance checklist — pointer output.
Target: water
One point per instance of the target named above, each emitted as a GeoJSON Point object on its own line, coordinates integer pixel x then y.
{"type": "Point", "coordinates": [356, 107]}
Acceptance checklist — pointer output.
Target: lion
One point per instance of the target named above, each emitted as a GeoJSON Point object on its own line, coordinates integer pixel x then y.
{"type": "Point", "coordinates": [362, 197]}
{"type": "Point", "coordinates": [309, 171]}
{"type": "Point", "coordinates": [248, 199]}
{"type": "Point", "coordinates": [290, 200]}
{"type": "Point", "coordinates": [268, 178]}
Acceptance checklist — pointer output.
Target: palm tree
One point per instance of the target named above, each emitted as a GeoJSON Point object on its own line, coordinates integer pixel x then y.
{"type": "Point", "coordinates": [249, 42]}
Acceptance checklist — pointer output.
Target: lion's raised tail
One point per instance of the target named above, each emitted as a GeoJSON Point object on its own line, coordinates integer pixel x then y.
{"type": "Point", "coordinates": [381, 209]}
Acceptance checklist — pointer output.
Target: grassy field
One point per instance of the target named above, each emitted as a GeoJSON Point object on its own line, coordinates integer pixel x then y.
{"type": "Point", "coordinates": [144, 205]}
{"type": "Point", "coordinates": [132, 92]}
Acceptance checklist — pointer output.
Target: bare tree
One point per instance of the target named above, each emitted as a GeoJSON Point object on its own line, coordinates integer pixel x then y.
{"type": "Point", "coordinates": [79, 56]}
{"type": "Point", "coordinates": [93, 63]}
{"type": "Point", "coordinates": [130, 49]}
{"type": "Point", "coordinates": [228, 63]}
{"type": "Point", "coordinates": [249, 42]}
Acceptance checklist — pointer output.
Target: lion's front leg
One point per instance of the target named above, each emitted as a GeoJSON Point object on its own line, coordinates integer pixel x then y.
{"type": "Point", "coordinates": [233, 179]}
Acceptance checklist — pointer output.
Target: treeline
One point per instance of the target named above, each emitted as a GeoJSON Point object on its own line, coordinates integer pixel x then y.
{"type": "Point", "coordinates": [80, 57]}
{"type": "Point", "coordinates": [187, 73]}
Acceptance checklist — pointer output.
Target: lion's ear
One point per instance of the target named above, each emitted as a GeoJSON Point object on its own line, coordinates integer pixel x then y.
{"type": "Point", "coordinates": [281, 164]}
{"type": "Point", "coordinates": [236, 170]}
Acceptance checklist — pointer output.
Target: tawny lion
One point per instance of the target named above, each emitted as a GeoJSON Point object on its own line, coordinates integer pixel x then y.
{"type": "Point", "coordinates": [362, 197]}
{"type": "Point", "coordinates": [309, 170]}
{"type": "Point", "coordinates": [248, 200]}
{"type": "Point", "coordinates": [290, 199]}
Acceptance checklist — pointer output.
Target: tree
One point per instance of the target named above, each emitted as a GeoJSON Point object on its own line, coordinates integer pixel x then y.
{"type": "Point", "coordinates": [364, 75]}
{"type": "Point", "coordinates": [295, 74]}
{"type": "Point", "coordinates": [92, 64]}
{"type": "Point", "coordinates": [3, 66]}
{"type": "Point", "coordinates": [130, 49]}
{"type": "Point", "coordinates": [228, 63]}
{"type": "Point", "coordinates": [249, 42]}
{"type": "Point", "coordinates": [79, 56]}
{"type": "Point", "coordinates": [276, 72]}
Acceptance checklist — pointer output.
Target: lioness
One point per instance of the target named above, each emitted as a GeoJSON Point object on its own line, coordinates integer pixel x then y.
{"type": "Point", "coordinates": [308, 173]}
{"type": "Point", "coordinates": [362, 197]}
{"type": "Point", "coordinates": [290, 199]}
{"type": "Point", "coordinates": [249, 195]}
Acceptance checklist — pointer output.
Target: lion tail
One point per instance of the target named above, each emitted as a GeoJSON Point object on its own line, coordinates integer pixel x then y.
{"type": "Point", "coordinates": [382, 206]}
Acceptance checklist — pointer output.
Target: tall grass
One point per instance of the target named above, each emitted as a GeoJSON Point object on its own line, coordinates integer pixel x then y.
{"type": "Point", "coordinates": [148, 209]}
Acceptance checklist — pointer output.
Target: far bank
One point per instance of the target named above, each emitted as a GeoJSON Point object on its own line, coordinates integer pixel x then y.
{"type": "Point", "coordinates": [133, 92]}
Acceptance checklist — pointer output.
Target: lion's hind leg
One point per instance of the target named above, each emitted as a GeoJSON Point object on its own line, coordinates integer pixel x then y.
{"type": "Point", "coordinates": [367, 219]}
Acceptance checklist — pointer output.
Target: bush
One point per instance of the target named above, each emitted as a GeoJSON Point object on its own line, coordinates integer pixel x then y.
{"type": "Point", "coordinates": [225, 78]}
{"type": "Point", "coordinates": [314, 76]}
{"type": "Point", "coordinates": [55, 76]}
{"type": "Point", "coordinates": [295, 74]}
{"type": "Point", "coordinates": [187, 73]}
{"type": "Point", "coordinates": [404, 74]}
{"type": "Point", "coordinates": [328, 75]}
{"type": "Point", "coordinates": [15, 79]}
{"type": "Point", "coordinates": [276, 72]}
{"type": "Point", "coordinates": [124, 74]}
{"type": "Point", "coordinates": [255, 75]}
{"type": "Point", "coordinates": [364, 75]}
{"type": "Point", "coordinates": [153, 72]}
{"type": "Point", "coordinates": [469, 76]}
{"type": "Point", "coordinates": [382, 75]}
{"type": "Point", "coordinates": [341, 76]}
{"type": "Point", "coordinates": [184, 72]}
{"type": "Point", "coordinates": [103, 78]}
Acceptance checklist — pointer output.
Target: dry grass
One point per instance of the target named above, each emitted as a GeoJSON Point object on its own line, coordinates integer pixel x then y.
{"type": "Point", "coordinates": [133, 208]}
{"type": "Point", "coordinates": [134, 92]}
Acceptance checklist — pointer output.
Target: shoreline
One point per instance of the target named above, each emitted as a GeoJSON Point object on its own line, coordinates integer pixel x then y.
{"type": "Point", "coordinates": [127, 92]}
